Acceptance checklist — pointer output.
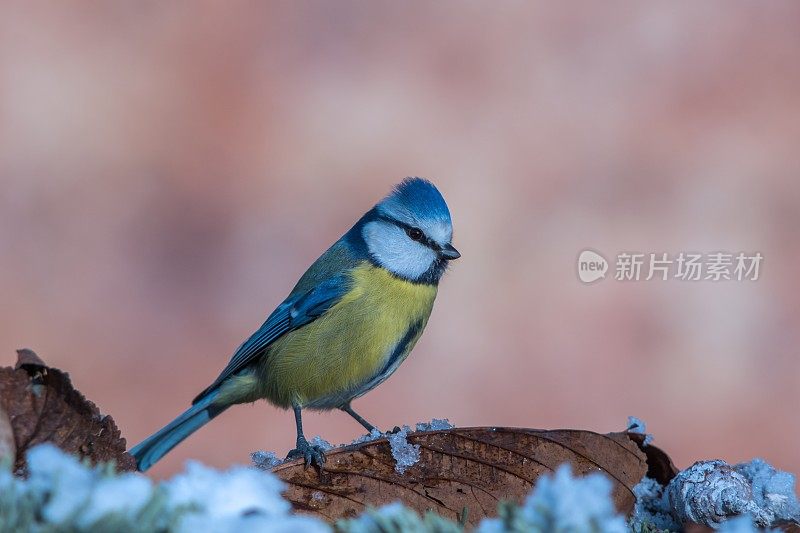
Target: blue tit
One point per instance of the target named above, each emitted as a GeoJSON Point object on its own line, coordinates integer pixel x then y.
{"type": "Point", "coordinates": [350, 321]}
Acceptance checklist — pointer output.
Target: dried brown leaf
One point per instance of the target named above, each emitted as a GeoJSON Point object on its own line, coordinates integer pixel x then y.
{"type": "Point", "coordinates": [42, 406]}
{"type": "Point", "coordinates": [659, 464]}
{"type": "Point", "coordinates": [26, 357]}
{"type": "Point", "coordinates": [472, 468]}
{"type": "Point", "coordinates": [7, 444]}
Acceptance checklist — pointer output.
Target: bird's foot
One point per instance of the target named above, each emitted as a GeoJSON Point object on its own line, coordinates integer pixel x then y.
{"type": "Point", "coordinates": [313, 455]}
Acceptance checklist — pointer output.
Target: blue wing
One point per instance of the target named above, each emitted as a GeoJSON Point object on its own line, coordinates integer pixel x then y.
{"type": "Point", "coordinates": [296, 311]}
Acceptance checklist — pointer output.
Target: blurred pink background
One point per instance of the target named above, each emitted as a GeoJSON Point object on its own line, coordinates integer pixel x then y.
{"type": "Point", "coordinates": [170, 169]}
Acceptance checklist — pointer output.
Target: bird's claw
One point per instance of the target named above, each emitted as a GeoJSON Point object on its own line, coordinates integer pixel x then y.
{"type": "Point", "coordinates": [313, 455]}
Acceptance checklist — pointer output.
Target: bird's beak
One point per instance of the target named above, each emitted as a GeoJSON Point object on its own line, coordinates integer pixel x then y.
{"type": "Point", "coordinates": [448, 252]}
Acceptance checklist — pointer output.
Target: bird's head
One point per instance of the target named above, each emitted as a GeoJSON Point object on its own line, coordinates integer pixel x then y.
{"type": "Point", "coordinates": [410, 232]}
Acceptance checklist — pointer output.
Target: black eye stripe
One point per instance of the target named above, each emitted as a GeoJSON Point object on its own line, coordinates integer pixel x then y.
{"type": "Point", "coordinates": [409, 228]}
{"type": "Point", "coordinates": [416, 234]}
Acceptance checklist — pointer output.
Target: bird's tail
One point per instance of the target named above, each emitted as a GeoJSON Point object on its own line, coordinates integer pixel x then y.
{"type": "Point", "coordinates": [157, 445]}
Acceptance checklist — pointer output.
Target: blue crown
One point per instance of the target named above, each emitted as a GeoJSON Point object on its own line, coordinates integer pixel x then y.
{"type": "Point", "coordinates": [419, 197]}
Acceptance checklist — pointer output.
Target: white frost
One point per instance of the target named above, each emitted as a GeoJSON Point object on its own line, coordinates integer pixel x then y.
{"type": "Point", "coordinates": [375, 434]}
{"type": "Point", "coordinates": [230, 493]}
{"type": "Point", "coordinates": [64, 494]}
{"type": "Point", "coordinates": [63, 481]}
{"type": "Point", "coordinates": [711, 492]}
{"type": "Point", "coordinates": [126, 495]}
{"type": "Point", "coordinates": [321, 443]}
{"type": "Point", "coordinates": [652, 508]}
{"type": "Point", "coordinates": [265, 460]}
{"type": "Point", "coordinates": [562, 503]}
{"type": "Point", "coordinates": [738, 524]}
{"type": "Point", "coordinates": [637, 425]}
{"type": "Point", "coordinates": [405, 454]}
{"type": "Point", "coordinates": [436, 424]}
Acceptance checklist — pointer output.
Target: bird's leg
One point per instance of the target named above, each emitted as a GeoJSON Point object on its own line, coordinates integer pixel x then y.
{"type": "Point", "coordinates": [360, 419]}
{"type": "Point", "coordinates": [313, 455]}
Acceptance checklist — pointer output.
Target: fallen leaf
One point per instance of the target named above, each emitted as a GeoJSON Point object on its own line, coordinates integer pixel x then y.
{"type": "Point", "coordinates": [462, 468]}
{"type": "Point", "coordinates": [7, 444]}
{"type": "Point", "coordinates": [26, 357]}
{"type": "Point", "coordinates": [659, 464]}
{"type": "Point", "coordinates": [42, 406]}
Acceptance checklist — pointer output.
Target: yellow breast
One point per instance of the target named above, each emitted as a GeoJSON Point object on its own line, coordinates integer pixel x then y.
{"type": "Point", "coordinates": [325, 363]}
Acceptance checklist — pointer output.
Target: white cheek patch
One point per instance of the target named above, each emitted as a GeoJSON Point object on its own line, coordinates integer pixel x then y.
{"type": "Point", "coordinates": [396, 252]}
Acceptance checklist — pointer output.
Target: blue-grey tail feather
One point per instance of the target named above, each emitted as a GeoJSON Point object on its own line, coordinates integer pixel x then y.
{"type": "Point", "coordinates": [156, 446]}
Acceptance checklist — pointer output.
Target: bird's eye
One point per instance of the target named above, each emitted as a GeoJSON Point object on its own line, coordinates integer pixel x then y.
{"type": "Point", "coordinates": [415, 234]}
